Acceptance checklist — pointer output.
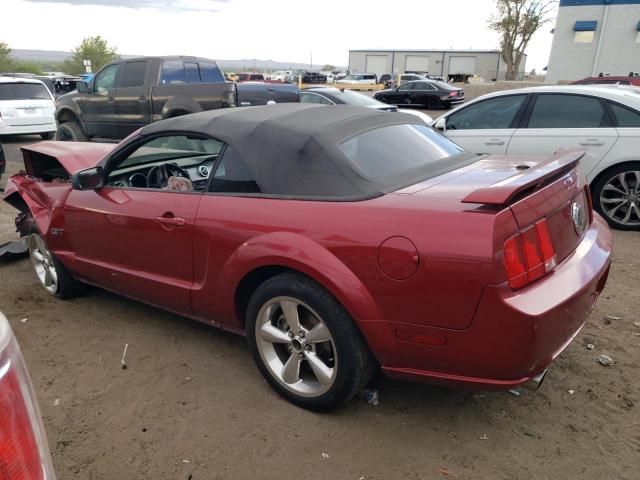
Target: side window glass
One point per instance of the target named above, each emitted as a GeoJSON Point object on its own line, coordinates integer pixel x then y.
{"type": "Point", "coordinates": [210, 73]}
{"type": "Point", "coordinates": [307, 97]}
{"type": "Point", "coordinates": [406, 87]}
{"type": "Point", "coordinates": [172, 72]}
{"type": "Point", "coordinates": [567, 111]}
{"type": "Point", "coordinates": [232, 175]}
{"type": "Point", "coordinates": [496, 113]}
{"type": "Point", "coordinates": [625, 117]}
{"type": "Point", "coordinates": [192, 73]}
{"type": "Point", "coordinates": [105, 80]}
{"type": "Point", "coordinates": [133, 74]}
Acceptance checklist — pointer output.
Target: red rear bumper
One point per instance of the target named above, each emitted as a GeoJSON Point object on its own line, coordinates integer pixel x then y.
{"type": "Point", "coordinates": [514, 335]}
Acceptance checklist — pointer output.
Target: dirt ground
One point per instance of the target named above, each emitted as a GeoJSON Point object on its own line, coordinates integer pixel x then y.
{"type": "Point", "coordinates": [192, 405]}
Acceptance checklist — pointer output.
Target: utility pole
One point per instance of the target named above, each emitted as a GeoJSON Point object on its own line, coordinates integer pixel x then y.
{"type": "Point", "coordinates": [311, 62]}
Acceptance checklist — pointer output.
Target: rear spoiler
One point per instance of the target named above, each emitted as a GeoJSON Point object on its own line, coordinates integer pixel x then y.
{"type": "Point", "coordinates": [504, 192]}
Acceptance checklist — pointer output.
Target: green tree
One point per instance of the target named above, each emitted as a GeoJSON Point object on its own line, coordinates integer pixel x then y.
{"type": "Point", "coordinates": [96, 49]}
{"type": "Point", "coordinates": [517, 21]}
{"type": "Point", "coordinates": [6, 63]}
{"type": "Point", "coordinates": [328, 68]}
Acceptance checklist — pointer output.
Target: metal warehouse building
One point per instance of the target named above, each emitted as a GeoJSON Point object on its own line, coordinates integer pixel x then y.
{"type": "Point", "coordinates": [484, 63]}
{"type": "Point", "coordinates": [593, 37]}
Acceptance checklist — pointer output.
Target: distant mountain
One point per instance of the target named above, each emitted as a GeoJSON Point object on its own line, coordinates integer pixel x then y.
{"type": "Point", "coordinates": [236, 65]}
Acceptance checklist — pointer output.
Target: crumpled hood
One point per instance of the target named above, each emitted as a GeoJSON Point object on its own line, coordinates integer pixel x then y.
{"type": "Point", "coordinates": [73, 156]}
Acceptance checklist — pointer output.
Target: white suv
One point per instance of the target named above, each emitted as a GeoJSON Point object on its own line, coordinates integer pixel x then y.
{"type": "Point", "coordinates": [359, 79]}
{"type": "Point", "coordinates": [603, 121]}
{"type": "Point", "coordinates": [26, 107]}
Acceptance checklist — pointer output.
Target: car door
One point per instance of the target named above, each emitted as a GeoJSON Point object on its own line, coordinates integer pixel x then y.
{"type": "Point", "coordinates": [139, 241]}
{"type": "Point", "coordinates": [562, 120]}
{"type": "Point", "coordinates": [401, 94]}
{"type": "Point", "coordinates": [97, 106]}
{"type": "Point", "coordinates": [486, 126]}
{"type": "Point", "coordinates": [421, 93]}
{"type": "Point", "coordinates": [130, 97]}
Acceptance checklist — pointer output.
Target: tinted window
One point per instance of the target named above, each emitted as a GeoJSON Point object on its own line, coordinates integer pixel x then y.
{"type": "Point", "coordinates": [172, 72]}
{"type": "Point", "coordinates": [625, 117]}
{"type": "Point", "coordinates": [406, 87]}
{"type": "Point", "coordinates": [495, 113]}
{"type": "Point", "coordinates": [232, 175]}
{"type": "Point", "coordinates": [307, 97]}
{"type": "Point", "coordinates": [424, 86]}
{"type": "Point", "coordinates": [133, 74]}
{"type": "Point", "coordinates": [105, 79]}
{"type": "Point", "coordinates": [210, 73]}
{"type": "Point", "coordinates": [567, 111]}
{"type": "Point", "coordinates": [23, 91]}
{"type": "Point", "coordinates": [389, 150]}
{"type": "Point", "coordinates": [192, 73]}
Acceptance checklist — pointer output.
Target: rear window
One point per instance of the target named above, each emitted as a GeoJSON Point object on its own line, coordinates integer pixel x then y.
{"type": "Point", "coordinates": [625, 117]}
{"type": "Point", "coordinates": [394, 149]}
{"type": "Point", "coordinates": [210, 73]}
{"type": "Point", "coordinates": [355, 98]}
{"type": "Point", "coordinates": [23, 91]}
{"type": "Point", "coordinates": [172, 72]}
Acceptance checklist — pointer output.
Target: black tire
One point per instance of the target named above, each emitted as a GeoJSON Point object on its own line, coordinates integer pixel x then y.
{"type": "Point", "coordinates": [434, 103]}
{"type": "Point", "coordinates": [355, 364]}
{"type": "Point", "coordinates": [66, 286]}
{"type": "Point", "coordinates": [71, 132]}
{"type": "Point", "coordinates": [598, 186]}
{"type": "Point", "coordinates": [47, 136]}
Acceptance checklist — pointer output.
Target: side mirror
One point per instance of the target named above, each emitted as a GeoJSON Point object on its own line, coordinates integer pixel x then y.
{"type": "Point", "coordinates": [89, 179]}
{"type": "Point", "coordinates": [83, 87]}
{"type": "Point", "coordinates": [441, 124]}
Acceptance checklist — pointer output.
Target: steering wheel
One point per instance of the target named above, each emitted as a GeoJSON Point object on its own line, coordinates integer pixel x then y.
{"type": "Point", "coordinates": [158, 176]}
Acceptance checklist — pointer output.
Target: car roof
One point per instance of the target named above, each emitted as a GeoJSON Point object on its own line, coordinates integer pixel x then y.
{"type": "Point", "coordinates": [292, 149]}
{"type": "Point", "coordinates": [623, 95]}
{"type": "Point", "coordinates": [5, 79]}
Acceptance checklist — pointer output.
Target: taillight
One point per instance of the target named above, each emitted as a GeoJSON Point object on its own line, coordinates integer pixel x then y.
{"type": "Point", "coordinates": [24, 452]}
{"type": "Point", "coordinates": [529, 255]}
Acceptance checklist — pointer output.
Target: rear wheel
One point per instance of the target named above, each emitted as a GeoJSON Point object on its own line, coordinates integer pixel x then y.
{"type": "Point", "coordinates": [71, 132]}
{"type": "Point", "coordinates": [616, 196]}
{"type": "Point", "coordinates": [434, 103]}
{"type": "Point", "coordinates": [305, 344]}
{"type": "Point", "coordinates": [47, 136]}
{"type": "Point", "coordinates": [53, 276]}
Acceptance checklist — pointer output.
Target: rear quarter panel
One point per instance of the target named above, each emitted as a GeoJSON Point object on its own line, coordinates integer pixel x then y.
{"type": "Point", "coordinates": [192, 98]}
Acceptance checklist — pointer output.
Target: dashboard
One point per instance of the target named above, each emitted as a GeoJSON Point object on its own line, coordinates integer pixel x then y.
{"type": "Point", "coordinates": [198, 168]}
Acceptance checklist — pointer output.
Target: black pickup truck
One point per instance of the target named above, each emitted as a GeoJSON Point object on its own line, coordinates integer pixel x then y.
{"type": "Point", "coordinates": [128, 94]}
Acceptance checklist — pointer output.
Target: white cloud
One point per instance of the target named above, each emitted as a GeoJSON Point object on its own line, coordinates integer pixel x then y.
{"type": "Point", "coordinates": [185, 5]}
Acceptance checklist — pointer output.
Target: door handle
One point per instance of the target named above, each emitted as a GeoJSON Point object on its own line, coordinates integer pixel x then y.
{"type": "Point", "coordinates": [171, 221]}
{"type": "Point", "coordinates": [110, 99]}
{"type": "Point", "coordinates": [593, 142]}
{"type": "Point", "coordinates": [494, 141]}
{"type": "Point", "coordinates": [142, 97]}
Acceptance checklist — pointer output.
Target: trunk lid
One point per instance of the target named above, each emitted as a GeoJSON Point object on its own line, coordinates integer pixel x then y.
{"type": "Point", "coordinates": [533, 188]}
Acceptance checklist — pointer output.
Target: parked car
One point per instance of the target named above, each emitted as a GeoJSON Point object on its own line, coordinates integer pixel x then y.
{"type": "Point", "coordinates": [334, 238]}
{"type": "Point", "coordinates": [434, 95]}
{"type": "Point", "coordinates": [261, 93]}
{"type": "Point", "coordinates": [309, 77]}
{"type": "Point", "coordinates": [250, 77]}
{"type": "Point", "coordinates": [128, 94]}
{"type": "Point", "coordinates": [3, 161]}
{"type": "Point", "coordinates": [335, 96]}
{"type": "Point", "coordinates": [603, 120]}
{"type": "Point", "coordinates": [610, 80]}
{"type": "Point", "coordinates": [24, 450]}
{"type": "Point", "coordinates": [389, 80]}
{"type": "Point", "coordinates": [280, 75]}
{"type": "Point", "coordinates": [26, 107]}
{"type": "Point", "coordinates": [358, 79]}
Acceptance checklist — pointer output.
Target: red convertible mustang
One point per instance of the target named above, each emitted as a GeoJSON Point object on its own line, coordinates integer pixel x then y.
{"type": "Point", "coordinates": [339, 240]}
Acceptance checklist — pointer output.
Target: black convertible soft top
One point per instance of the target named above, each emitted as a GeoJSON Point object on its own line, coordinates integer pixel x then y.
{"type": "Point", "coordinates": [292, 149]}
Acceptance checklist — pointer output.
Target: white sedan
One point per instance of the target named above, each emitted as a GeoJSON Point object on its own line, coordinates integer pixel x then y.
{"type": "Point", "coordinates": [603, 121]}
{"type": "Point", "coordinates": [26, 107]}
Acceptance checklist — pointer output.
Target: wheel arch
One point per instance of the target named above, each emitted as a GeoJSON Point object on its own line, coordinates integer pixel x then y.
{"type": "Point", "coordinates": [271, 254]}
{"type": "Point", "coordinates": [606, 169]}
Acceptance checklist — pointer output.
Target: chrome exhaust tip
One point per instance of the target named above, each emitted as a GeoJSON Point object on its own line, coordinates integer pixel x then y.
{"type": "Point", "coordinates": [534, 382]}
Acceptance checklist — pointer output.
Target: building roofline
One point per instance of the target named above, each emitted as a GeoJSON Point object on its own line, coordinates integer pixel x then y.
{"type": "Point", "coordinates": [399, 50]}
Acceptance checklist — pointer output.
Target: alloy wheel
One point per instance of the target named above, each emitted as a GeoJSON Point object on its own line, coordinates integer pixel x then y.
{"type": "Point", "coordinates": [43, 263]}
{"type": "Point", "coordinates": [296, 346]}
{"type": "Point", "coordinates": [620, 198]}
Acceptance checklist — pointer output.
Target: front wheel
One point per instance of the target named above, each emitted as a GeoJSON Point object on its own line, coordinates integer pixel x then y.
{"type": "Point", "coordinates": [53, 276]}
{"type": "Point", "coordinates": [47, 136]}
{"type": "Point", "coordinates": [305, 344]}
{"type": "Point", "coordinates": [71, 132]}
